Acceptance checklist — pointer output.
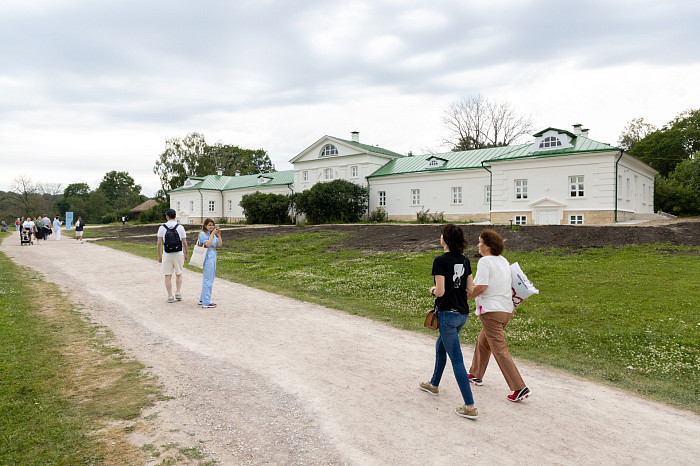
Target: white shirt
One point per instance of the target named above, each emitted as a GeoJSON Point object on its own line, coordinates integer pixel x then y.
{"type": "Point", "coordinates": [494, 271]}
{"type": "Point", "coordinates": [180, 231]}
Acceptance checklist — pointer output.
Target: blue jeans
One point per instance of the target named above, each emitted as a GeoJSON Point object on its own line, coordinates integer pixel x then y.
{"type": "Point", "coordinates": [449, 324]}
{"type": "Point", "coordinates": [208, 276]}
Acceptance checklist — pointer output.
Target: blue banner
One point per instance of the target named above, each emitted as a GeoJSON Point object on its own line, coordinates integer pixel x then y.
{"type": "Point", "coordinates": [69, 220]}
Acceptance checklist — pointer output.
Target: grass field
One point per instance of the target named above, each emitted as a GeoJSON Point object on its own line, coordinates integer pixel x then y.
{"type": "Point", "coordinates": [626, 317]}
{"type": "Point", "coordinates": [67, 395]}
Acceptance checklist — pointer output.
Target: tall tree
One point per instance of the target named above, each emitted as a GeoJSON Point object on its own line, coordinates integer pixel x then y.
{"type": "Point", "coordinates": [120, 190]}
{"type": "Point", "coordinates": [192, 156]}
{"type": "Point", "coordinates": [636, 130]}
{"type": "Point", "coordinates": [24, 196]}
{"type": "Point", "coordinates": [476, 122]}
{"type": "Point", "coordinates": [81, 190]}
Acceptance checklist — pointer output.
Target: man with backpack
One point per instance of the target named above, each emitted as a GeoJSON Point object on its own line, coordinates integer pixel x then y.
{"type": "Point", "coordinates": [172, 253]}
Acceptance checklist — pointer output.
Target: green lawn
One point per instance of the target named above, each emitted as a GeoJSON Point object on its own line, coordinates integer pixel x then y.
{"type": "Point", "coordinates": [627, 317]}
{"type": "Point", "coordinates": [63, 389]}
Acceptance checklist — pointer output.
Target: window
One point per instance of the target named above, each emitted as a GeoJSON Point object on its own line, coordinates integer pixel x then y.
{"type": "Point", "coordinates": [230, 204]}
{"type": "Point", "coordinates": [575, 219]}
{"type": "Point", "coordinates": [354, 172]}
{"type": "Point", "coordinates": [550, 141]}
{"type": "Point", "coordinates": [576, 186]}
{"type": "Point", "coordinates": [330, 149]}
{"type": "Point", "coordinates": [433, 163]}
{"type": "Point", "coordinates": [191, 206]}
{"type": "Point", "coordinates": [457, 195]}
{"type": "Point", "coordinates": [627, 192]}
{"type": "Point", "coordinates": [521, 189]}
{"type": "Point", "coordinates": [415, 197]}
{"type": "Point", "coordinates": [305, 175]}
{"type": "Point", "coordinates": [520, 220]}
{"type": "Point", "coordinates": [382, 198]}
{"type": "Point", "coordinates": [644, 193]}
{"type": "Point", "coordinates": [487, 194]}
{"type": "Point", "coordinates": [177, 206]}
{"type": "Point", "coordinates": [262, 180]}
{"type": "Point", "coordinates": [212, 205]}
{"type": "Point", "coordinates": [328, 174]}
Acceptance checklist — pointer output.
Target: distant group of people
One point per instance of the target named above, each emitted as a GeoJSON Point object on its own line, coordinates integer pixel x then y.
{"type": "Point", "coordinates": [173, 253]}
{"type": "Point", "coordinates": [40, 228]}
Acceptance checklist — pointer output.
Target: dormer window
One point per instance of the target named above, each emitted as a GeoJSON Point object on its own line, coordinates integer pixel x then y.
{"type": "Point", "coordinates": [328, 150]}
{"type": "Point", "coordinates": [433, 163]}
{"type": "Point", "coordinates": [188, 182]}
{"type": "Point", "coordinates": [262, 180]}
{"type": "Point", "coordinates": [550, 141]}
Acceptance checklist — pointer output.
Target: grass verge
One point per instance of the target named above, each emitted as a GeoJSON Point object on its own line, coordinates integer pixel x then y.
{"type": "Point", "coordinates": [67, 395]}
{"type": "Point", "coordinates": [627, 317]}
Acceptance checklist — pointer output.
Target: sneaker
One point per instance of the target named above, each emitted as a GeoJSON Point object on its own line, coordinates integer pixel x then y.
{"type": "Point", "coordinates": [208, 306]}
{"type": "Point", "coordinates": [519, 395]}
{"type": "Point", "coordinates": [430, 388]}
{"type": "Point", "coordinates": [171, 299]}
{"type": "Point", "coordinates": [474, 380]}
{"type": "Point", "coordinates": [200, 303]}
{"type": "Point", "coordinates": [469, 413]}
{"type": "Point", "coordinates": [178, 296]}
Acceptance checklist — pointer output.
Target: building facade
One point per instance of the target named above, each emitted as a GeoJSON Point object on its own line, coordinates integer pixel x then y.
{"type": "Point", "coordinates": [561, 177]}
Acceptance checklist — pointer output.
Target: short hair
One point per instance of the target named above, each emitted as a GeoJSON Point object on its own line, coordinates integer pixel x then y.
{"type": "Point", "coordinates": [493, 240]}
{"type": "Point", "coordinates": [170, 213]}
{"type": "Point", "coordinates": [454, 238]}
{"type": "Point", "coordinates": [206, 222]}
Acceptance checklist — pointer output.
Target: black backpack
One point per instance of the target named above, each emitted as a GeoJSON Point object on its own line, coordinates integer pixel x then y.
{"type": "Point", "coordinates": [172, 241]}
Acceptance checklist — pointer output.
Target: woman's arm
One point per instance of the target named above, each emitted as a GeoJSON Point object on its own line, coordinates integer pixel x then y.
{"type": "Point", "coordinates": [476, 291]}
{"type": "Point", "coordinates": [220, 242]}
{"type": "Point", "coordinates": [209, 241]}
{"type": "Point", "coordinates": [439, 289]}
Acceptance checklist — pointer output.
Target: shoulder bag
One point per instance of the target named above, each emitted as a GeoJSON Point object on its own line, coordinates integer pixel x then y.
{"type": "Point", "coordinates": [198, 255]}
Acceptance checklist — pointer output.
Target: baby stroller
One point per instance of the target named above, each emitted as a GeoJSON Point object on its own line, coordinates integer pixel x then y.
{"type": "Point", "coordinates": [25, 237]}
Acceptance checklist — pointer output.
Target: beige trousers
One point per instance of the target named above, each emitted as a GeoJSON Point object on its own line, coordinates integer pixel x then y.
{"type": "Point", "coordinates": [492, 340]}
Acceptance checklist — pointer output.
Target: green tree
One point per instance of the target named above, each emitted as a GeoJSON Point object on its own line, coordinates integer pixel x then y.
{"type": "Point", "coordinates": [192, 156]}
{"type": "Point", "coordinates": [677, 141]}
{"type": "Point", "coordinates": [81, 190]}
{"type": "Point", "coordinates": [266, 208]}
{"type": "Point", "coordinates": [121, 191]}
{"type": "Point", "coordinates": [680, 193]}
{"type": "Point", "coordinates": [636, 130]}
{"type": "Point", "coordinates": [336, 201]}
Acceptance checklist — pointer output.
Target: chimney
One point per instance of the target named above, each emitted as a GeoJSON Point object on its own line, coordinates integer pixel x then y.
{"type": "Point", "coordinates": [584, 132]}
{"type": "Point", "coordinates": [219, 171]}
{"type": "Point", "coordinates": [355, 135]}
{"type": "Point", "coordinates": [238, 173]}
{"type": "Point", "coordinates": [577, 129]}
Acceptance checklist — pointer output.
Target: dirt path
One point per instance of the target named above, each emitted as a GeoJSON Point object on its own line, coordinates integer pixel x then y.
{"type": "Point", "coordinates": [266, 379]}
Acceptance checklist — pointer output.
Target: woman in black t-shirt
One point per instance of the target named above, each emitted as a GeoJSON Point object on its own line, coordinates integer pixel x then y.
{"type": "Point", "coordinates": [453, 278]}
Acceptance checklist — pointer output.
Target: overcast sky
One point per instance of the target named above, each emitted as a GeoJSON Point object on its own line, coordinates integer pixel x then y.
{"type": "Point", "coordinates": [88, 86]}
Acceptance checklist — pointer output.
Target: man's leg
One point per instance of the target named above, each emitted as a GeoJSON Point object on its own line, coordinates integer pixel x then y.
{"type": "Point", "coordinates": [178, 282]}
{"type": "Point", "coordinates": [169, 284]}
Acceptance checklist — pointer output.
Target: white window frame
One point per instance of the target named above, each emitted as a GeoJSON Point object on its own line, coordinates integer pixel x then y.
{"type": "Point", "coordinates": [230, 205]}
{"type": "Point", "coordinates": [434, 163]}
{"type": "Point", "coordinates": [576, 186]}
{"type": "Point", "coordinates": [305, 175]}
{"type": "Point", "coordinates": [487, 194]}
{"type": "Point", "coordinates": [576, 219]}
{"type": "Point", "coordinates": [521, 189]}
{"type": "Point", "coordinates": [520, 220]}
{"type": "Point", "coordinates": [456, 195]}
{"type": "Point", "coordinates": [354, 171]}
{"type": "Point", "coordinates": [415, 197]}
{"type": "Point", "coordinates": [382, 198]}
{"type": "Point", "coordinates": [328, 150]}
{"type": "Point", "coordinates": [177, 206]}
{"type": "Point", "coordinates": [212, 206]}
{"type": "Point", "coordinates": [191, 206]}
{"type": "Point", "coordinates": [328, 174]}
{"type": "Point", "coordinates": [549, 142]}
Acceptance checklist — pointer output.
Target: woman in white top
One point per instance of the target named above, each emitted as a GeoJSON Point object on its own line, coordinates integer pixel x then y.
{"type": "Point", "coordinates": [494, 304]}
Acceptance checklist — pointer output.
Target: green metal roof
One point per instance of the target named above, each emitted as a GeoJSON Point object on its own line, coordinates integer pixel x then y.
{"type": "Point", "coordinates": [474, 158]}
{"type": "Point", "coordinates": [225, 183]}
{"type": "Point", "coordinates": [368, 148]}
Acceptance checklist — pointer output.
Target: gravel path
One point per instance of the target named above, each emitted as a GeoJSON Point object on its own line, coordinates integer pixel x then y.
{"type": "Point", "coordinates": [265, 379]}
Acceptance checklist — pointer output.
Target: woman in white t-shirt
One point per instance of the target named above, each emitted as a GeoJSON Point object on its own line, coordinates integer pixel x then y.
{"type": "Point", "coordinates": [494, 304]}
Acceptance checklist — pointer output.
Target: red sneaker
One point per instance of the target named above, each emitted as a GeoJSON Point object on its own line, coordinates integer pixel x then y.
{"type": "Point", "coordinates": [519, 395]}
{"type": "Point", "coordinates": [474, 380]}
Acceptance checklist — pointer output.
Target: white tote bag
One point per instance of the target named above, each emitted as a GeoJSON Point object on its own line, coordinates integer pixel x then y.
{"type": "Point", "coordinates": [198, 255]}
{"type": "Point", "coordinates": [522, 287]}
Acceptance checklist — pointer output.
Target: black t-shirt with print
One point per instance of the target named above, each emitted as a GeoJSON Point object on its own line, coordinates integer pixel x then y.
{"type": "Point", "coordinates": [455, 268]}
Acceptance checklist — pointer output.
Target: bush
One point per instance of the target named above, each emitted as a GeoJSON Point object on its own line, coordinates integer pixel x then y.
{"type": "Point", "coordinates": [156, 213]}
{"type": "Point", "coordinates": [266, 208]}
{"type": "Point", "coordinates": [378, 215]}
{"type": "Point", "coordinates": [424, 216]}
{"type": "Point", "coordinates": [109, 218]}
{"type": "Point", "coordinates": [336, 201]}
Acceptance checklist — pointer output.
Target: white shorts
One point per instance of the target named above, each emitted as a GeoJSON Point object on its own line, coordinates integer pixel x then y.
{"type": "Point", "coordinates": [172, 263]}
{"type": "Point", "coordinates": [78, 233]}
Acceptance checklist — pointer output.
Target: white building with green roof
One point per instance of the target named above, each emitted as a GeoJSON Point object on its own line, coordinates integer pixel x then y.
{"type": "Point", "coordinates": [561, 177]}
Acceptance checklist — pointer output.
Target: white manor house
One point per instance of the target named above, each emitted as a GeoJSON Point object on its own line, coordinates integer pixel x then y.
{"type": "Point", "coordinates": [561, 177]}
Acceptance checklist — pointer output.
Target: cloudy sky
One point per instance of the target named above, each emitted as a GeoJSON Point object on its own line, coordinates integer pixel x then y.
{"type": "Point", "coordinates": [88, 86]}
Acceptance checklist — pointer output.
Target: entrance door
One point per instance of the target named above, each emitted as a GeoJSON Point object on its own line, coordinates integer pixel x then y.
{"type": "Point", "coordinates": [547, 217]}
